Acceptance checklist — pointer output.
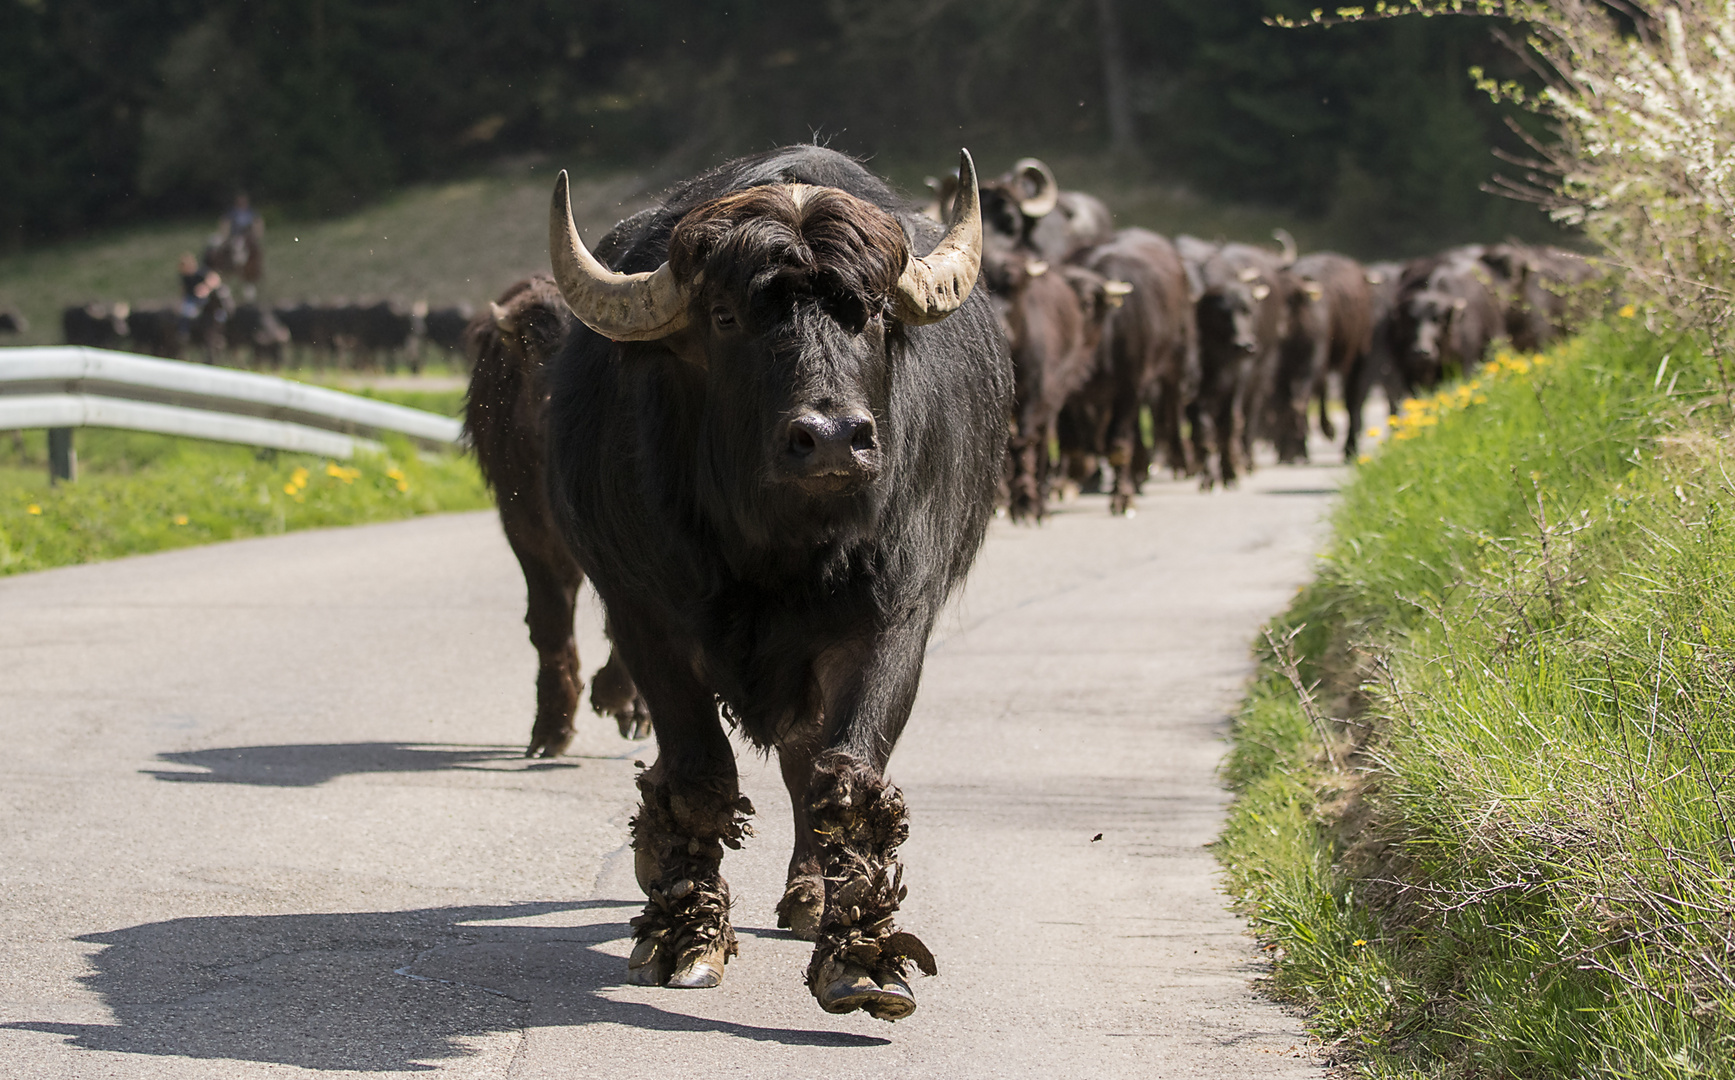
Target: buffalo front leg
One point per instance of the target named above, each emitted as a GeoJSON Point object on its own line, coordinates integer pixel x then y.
{"type": "Point", "coordinates": [691, 809]}
{"type": "Point", "coordinates": [860, 958]}
{"type": "Point", "coordinates": [683, 938]}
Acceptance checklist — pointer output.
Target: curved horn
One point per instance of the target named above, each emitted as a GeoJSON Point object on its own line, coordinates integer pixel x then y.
{"type": "Point", "coordinates": [1047, 195]}
{"type": "Point", "coordinates": [1290, 253]}
{"type": "Point", "coordinates": [622, 307]}
{"type": "Point", "coordinates": [935, 285]}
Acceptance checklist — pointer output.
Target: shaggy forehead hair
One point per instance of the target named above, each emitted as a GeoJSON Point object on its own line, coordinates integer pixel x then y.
{"type": "Point", "coordinates": [816, 240]}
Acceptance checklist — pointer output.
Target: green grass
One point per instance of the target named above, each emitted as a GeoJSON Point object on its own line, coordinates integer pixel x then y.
{"type": "Point", "coordinates": [1516, 859]}
{"type": "Point", "coordinates": [138, 492]}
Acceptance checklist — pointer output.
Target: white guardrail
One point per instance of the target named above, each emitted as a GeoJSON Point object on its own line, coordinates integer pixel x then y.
{"type": "Point", "coordinates": [67, 386]}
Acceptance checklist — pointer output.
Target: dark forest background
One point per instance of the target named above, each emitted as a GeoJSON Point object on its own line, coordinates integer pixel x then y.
{"type": "Point", "coordinates": [116, 112]}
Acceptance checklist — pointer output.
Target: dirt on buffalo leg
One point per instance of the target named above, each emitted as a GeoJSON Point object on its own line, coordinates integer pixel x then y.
{"type": "Point", "coordinates": [860, 958]}
{"type": "Point", "coordinates": [684, 938]}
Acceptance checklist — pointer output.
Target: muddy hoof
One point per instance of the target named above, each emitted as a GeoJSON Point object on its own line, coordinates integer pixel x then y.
{"type": "Point", "coordinates": [846, 987]}
{"type": "Point", "coordinates": [801, 907]}
{"type": "Point", "coordinates": [634, 720]}
{"type": "Point", "coordinates": [548, 745]}
{"type": "Point", "coordinates": [700, 969]}
{"type": "Point", "coordinates": [649, 964]}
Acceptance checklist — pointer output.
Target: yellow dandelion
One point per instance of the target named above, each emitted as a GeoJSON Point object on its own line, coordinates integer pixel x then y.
{"type": "Point", "coordinates": [1629, 311]}
{"type": "Point", "coordinates": [180, 519]}
{"type": "Point", "coordinates": [33, 509]}
{"type": "Point", "coordinates": [1363, 459]}
{"type": "Point", "coordinates": [394, 473]}
{"type": "Point", "coordinates": [1359, 942]}
{"type": "Point", "coordinates": [403, 485]}
{"type": "Point", "coordinates": [290, 488]}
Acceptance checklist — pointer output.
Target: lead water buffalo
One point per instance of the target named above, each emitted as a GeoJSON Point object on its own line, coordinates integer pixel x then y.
{"type": "Point", "coordinates": [505, 418]}
{"type": "Point", "coordinates": [774, 448]}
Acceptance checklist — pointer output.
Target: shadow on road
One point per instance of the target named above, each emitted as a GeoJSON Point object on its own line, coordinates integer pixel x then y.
{"type": "Point", "coordinates": [313, 764]}
{"type": "Point", "coordinates": [379, 991]}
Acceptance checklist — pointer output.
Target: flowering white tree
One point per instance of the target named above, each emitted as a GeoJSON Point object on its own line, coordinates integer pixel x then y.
{"type": "Point", "coordinates": [1641, 97]}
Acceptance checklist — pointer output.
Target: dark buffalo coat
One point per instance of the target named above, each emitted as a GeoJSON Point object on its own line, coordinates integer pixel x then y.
{"type": "Point", "coordinates": [1241, 312]}
{"type": "Point", "coordinates": [1377, 366]}
{"type": "Point", "coordinates": [1537, 285]}
{"type": "Point", "coordinates": [802, 611]}
{"type": "Point", "coordinates": [1053, 319]}
{"type": "Point", "coordinates": [94, 324]}
{"type": "Point", "coordinates": [1446, 314]}
{"type": "Point", "coordinates": [1148, 356]}
{"type": "Point", "coordinates": [506, 419]}
{"type": "Point", "coordinates": [1329, 331]}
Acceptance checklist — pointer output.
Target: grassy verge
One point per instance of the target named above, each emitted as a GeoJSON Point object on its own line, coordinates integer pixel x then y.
{"type": "Point", "coordinates": [138, 492]}
{"type": "Point", "coordinates": [1513, 855]}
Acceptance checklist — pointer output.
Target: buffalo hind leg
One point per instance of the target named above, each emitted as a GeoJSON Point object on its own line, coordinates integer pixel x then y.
{"type": "Point", "coordinates": [803, 900]}
{"type": "Point", "coordinates": [551, 596]}
{"type": "Point", "coordinates": [613, 693]}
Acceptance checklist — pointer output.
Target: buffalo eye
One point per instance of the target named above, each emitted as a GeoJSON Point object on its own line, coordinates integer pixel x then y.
{"type": "Point", "coordinates": [723, 317]}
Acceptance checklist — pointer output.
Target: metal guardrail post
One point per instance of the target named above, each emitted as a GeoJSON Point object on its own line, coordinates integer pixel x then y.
{"type": "Point", "coordinates": [62, 458]}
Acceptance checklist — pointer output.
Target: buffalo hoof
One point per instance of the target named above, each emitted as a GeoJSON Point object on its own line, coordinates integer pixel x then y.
{"type": "Point", "coordinates": [1122, 505]}
{"type": "Point", "coordinates": [802, 905]}
{"type": "Point", "coordinates": [649, 964]}
{"type": "Point", "coordinates": [699, 969]}
{"type": "Point", "coordinates": [845, 987]}
{"type": "Point", "coordinates": [548, 745]}
{"type": "Point", "coordinates": [634, 725]}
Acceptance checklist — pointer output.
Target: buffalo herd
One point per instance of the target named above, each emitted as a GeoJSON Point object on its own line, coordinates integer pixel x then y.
{"type": "Point", "coordinates": [1129, 347]}
{"type": "Point", "coordinates": [770, 418]}
{"type": "Point", "coordinates": [363, 335]}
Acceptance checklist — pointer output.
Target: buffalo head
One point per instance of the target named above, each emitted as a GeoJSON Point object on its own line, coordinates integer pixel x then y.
{"type": "Point", "coordinates": [789, 297]}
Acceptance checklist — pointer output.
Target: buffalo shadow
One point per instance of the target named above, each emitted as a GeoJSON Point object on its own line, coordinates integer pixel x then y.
{"type": "Point", "coordinates": [312, 764]}
{"type": "Point", "coordinates": [369, 991]}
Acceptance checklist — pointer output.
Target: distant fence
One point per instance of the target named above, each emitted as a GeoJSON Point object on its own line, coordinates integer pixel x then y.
{"type": "Point", "coordinates": [67, 386]}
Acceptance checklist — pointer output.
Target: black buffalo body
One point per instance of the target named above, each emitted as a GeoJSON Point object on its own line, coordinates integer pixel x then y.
{"type": "Point", "coordinates": [773, 503]}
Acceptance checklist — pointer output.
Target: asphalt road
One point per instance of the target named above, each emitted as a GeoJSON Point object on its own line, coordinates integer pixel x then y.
{"type": "Point", "coordinates": [262, 811]}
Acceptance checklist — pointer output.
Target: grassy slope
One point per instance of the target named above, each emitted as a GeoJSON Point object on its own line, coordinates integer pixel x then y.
{"type": "Point", "coordinates": [1517, 860]}
{"type": "Point", "coordinates": [138, 492]}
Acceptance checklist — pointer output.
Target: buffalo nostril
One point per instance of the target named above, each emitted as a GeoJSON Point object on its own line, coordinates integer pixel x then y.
{"type": "Point", "coordinates": [862, 438]}
{"type": "Point", "coordinates": [801, 440]}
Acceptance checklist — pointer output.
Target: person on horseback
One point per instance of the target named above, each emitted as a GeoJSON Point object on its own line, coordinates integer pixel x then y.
{"type": "Point", "coordinates": [239, 244]}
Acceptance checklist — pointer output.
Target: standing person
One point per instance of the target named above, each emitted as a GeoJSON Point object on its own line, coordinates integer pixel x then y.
{"type": "Point", "coordinates": [198, 283]}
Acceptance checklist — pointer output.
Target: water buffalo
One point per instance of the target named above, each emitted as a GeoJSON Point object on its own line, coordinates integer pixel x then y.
{"type": "Point", "coordinates": [1446, 313]}
{"type": "Point", "coordinates": [1329, 331]}
{"type": "Point", "coordinates": [445, 326]}
{"type": "Point", "coordinates": [1537, 283]}
{"type": "Point", "coordinates": [98, 325]}
{"type": "Point", "coordinates": [505, 418]}
{"type": "Point", "coordinates": [13, 322]}
{"type": "Point", "coordinates": [1026, 208]}
{"type": "Point", "coordinates": [156, 331]}
{"type": "Point", "coordinates": [774, 447]}
{"type": "Point", "coordinates": [1377, 366]}
{"type": "Point", "coordinates": [1053, 318]}
{"type": "Point", "coordinates": [1148, 356]}
{"type": "Point", "coordinates": [1240, 309]}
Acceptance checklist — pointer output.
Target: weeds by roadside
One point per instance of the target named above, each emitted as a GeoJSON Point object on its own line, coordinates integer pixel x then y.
{"type": "Point", "coordinates": [1525, 627]}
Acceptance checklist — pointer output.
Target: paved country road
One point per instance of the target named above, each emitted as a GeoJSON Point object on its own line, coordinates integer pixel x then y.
{"type": "Point", "coordinates": [262, 812]}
